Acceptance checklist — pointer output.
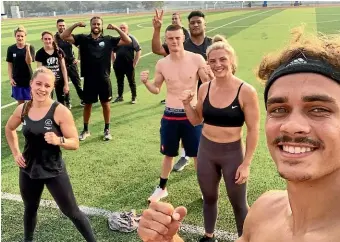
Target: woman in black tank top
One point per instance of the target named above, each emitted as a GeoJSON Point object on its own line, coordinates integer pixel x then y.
{"type": "Point", "coordinates": [224, 105]}
{"type": "Point", "coordinates": [47, 126]}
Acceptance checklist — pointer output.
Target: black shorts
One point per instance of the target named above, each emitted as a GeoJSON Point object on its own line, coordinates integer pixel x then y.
{"type": "Point", "coordinates": [94, 87]}
{"type": "Point", "coordinates": [175, 126]}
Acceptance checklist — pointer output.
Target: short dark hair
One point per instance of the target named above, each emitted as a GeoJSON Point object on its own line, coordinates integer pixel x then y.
{"type": "Point", "coordinates": [60, 20]}
{"type": "Point", "coordinates": [173, 27]}
{"type": "Point", "coordinates": [96, 17]}
{"type": "Point", "coordinates": [196, 14]}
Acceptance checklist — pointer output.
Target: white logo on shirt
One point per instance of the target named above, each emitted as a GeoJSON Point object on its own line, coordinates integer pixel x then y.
{"type": "Point", "coordinates": [24, 123]}
{"type": "Point", "coordinates": [52, 61]}
{"type": "Point", "coordinates": [14, 55]}
{"type": "Point", "coordinates": [232, 107]}
{"type": "Point", "coordinates": [102, 44]}
{"type": "Point", "coordinates": [48, 124]}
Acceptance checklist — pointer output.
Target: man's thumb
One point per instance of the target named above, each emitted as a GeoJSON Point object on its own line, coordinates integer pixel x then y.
{"type": "Point", "coordinates": [179, 213]}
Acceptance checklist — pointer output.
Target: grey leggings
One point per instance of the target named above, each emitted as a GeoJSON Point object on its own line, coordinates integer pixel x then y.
{"type": "Point", "coordinates": [213, 160]}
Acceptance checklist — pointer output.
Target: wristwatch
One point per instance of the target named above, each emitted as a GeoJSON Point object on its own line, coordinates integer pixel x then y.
{"type": "Point", "coordinates": [62, 140]}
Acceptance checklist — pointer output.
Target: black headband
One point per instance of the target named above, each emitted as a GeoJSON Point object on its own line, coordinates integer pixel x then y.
{"type": "Point", "coordinates": [302, 64]}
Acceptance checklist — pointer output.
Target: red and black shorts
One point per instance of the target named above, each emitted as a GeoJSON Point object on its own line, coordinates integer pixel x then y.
{"type": "Point", "coordinates": [175, 126]}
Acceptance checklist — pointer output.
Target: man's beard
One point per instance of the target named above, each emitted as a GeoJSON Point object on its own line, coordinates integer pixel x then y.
{"type": "Point", "coordinates": [96, 33]}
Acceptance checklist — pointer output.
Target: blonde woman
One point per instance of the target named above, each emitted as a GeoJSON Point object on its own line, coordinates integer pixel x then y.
{"type": "Point", "coordinates": [224, 105]}
{"type": "Point", "coordinates": [19, 59]}
{"type": "Point", "coordinates": [47, 127]}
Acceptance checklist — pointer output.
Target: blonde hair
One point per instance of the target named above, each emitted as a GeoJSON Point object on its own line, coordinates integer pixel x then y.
{"type": "Point", "coordinates": [324, 47]}
{"type": "Point", "coordinates": [220, 42]}
{"type": "Point", "coordinates": [39, 70]}
{"type": "Point", "coordinates": [44, 70]}
{"type": "Point", "coordinates": [20, 28]}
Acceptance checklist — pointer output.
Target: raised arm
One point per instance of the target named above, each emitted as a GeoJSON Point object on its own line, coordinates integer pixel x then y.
{"type": "Point", "coordinates": [203, 69]}
{"type": "Point", "coordinates": [28, 57]}
{"type": "Point", "coordinates": [157, 47]}
{"type": "Point", "coordinates": [155, 86]}
{"type": "Point", "coordinates": [67, 34]}
{"type": "Point", "coordinates": [124, 38]}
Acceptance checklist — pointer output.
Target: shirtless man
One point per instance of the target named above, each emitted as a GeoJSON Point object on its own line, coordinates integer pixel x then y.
{"type": "Point", "coordinates": [197, 42]}
{"type": "Point", "coordinates": [303, 136]}
{"type": "Point", "coordinates": [180, 70]}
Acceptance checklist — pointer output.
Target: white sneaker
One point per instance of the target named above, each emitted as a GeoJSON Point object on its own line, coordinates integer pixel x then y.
{"type": "Point", "coordinates": [83, 135]}
{"type": "Point", "coordinates": [158, 194]}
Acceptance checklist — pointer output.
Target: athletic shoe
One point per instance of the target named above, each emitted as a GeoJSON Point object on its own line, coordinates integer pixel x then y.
{"type": "Point", "coordinates": [163, 101]}
{"type": "Point", "coordinates": [208, 239]}
{"type": "Point", "coordinates": [107, 135]}
{"type": "Point", "coordinates": [82, 103]}
{"type": "Point", "coordinates": [133, 101]}
{"type": "Point", "coordinates": [158, 194]}
{"type": "Point", "coordinates": [181, 163]}
{"type": "Point", "coordinates": [84, 134]}
{"type": "Point", "coordinates": [118, 99]}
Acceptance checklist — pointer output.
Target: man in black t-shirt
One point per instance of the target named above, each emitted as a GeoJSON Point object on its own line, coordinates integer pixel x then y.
{"type": "Point", "coordinates": [124, 63]}
{"type": "Point", "coordinates": [95, 66]}
{"type": "Point", "coordinates": [70, 60]}
{"type": "Point", "coordinates": [197, 43]}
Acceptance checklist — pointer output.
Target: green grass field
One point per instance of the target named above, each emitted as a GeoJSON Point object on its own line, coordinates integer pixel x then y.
{"type": "Point", "coordinates": [120, 175]}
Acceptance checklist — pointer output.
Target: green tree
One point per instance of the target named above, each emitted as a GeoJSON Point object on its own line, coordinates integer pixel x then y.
{"type": "Point", "coordinates": [152, 4]}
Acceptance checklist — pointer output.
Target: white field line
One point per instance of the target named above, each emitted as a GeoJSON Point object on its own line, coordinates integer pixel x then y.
{"type": "Point", "coordinates": [8, 105]}
{"type": "Point", "coordinates": [237, 20]}
{"type": "Point", "coordinates": [191, 229]}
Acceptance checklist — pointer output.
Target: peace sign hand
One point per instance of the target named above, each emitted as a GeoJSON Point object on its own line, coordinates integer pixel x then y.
{"type": "Point", "coordinates": [158, 19]}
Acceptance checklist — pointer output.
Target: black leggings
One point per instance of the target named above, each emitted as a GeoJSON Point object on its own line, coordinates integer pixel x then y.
{"type": "Point", "coordinates": [61, 190]}
{"type": "Point", "coordinates": [61, 96]}
{"type": "Point", "coordinates": [130, 74]}
{"type": "Point", "coordinates": [213, 160]}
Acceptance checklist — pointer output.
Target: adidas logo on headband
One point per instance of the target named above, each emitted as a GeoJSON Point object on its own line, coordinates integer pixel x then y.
{"type": "Point", "coordinates": [297, 62]}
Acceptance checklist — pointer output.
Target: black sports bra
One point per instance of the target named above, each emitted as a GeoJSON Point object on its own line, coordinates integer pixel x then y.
{"type": "Point", "coordinates": [231, 116]}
